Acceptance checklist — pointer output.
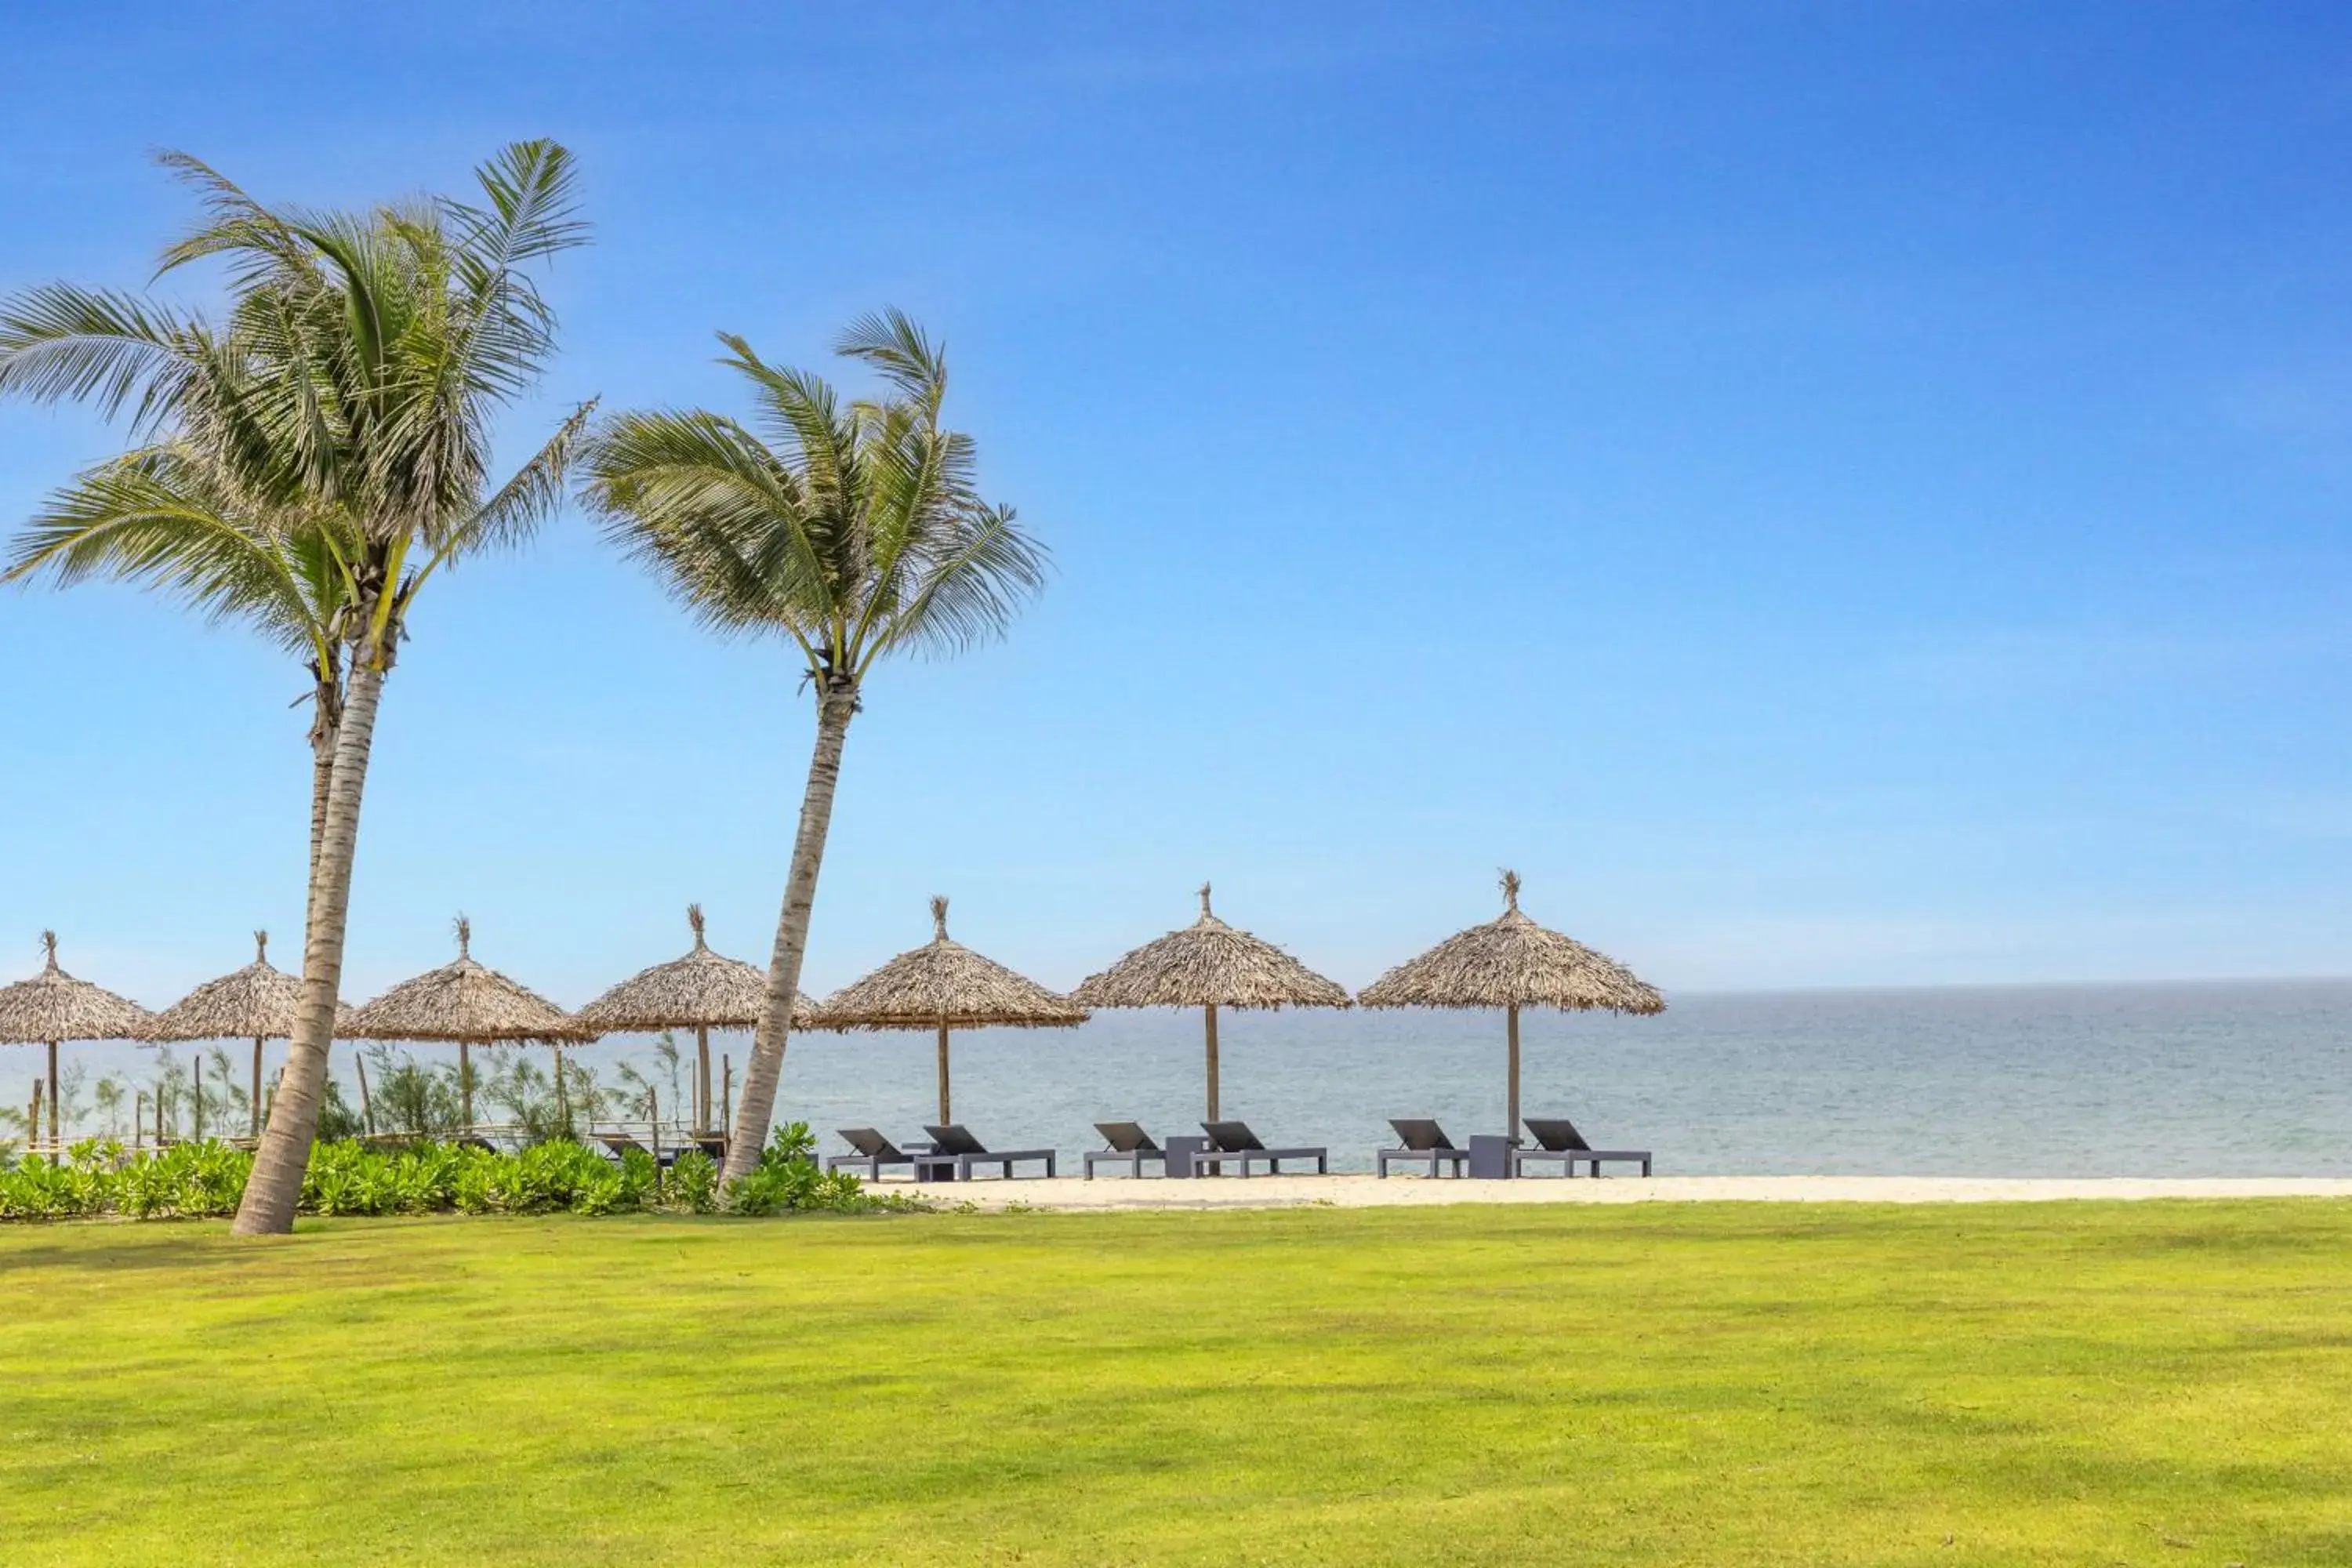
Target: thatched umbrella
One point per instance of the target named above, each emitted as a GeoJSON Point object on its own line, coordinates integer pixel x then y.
{"type": "Point", "coordinates": [1512, 963]}
{"type": "Point", "coordinates": [703, 991]}
{"type": "Point", "coordinates": [53, 1008]}
{"type": "Point", "coordinates": [471, 1005]}
{"type": "Point", "coordinates": [945, 985]}
{"type": "Point", "coordinates": [1209, 965]}
{"type": "Point", "coordinates": [256, 1003]}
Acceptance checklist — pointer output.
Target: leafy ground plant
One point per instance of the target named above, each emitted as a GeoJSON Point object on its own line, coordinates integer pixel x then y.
{"type": "Point", "coordinates": [192, 1181]}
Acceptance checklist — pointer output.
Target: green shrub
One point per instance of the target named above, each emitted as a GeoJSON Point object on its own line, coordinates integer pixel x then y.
{"type": "Point", "coordinates": [693, 1183]}
{"type": "Point", "coordinates": [349, 1178]}
{"type": "Point", "coordinates": [787, 1180]}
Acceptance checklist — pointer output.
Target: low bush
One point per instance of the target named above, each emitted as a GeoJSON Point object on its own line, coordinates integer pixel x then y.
{"type": "Point", "coordinates": [189, 1181]}
{"type": "Point", "coordinates": [787, 1180]}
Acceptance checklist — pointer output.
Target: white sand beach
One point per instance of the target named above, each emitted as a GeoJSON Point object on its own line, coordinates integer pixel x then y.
{"type": "Point", "coordinates": [1357, 1190]}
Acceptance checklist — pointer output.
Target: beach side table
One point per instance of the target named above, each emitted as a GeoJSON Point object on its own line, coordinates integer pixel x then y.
{"type": "Point", "coordinates": [1490, 1156]}
{"type": "Point", "coordinates": [1180, 1155]}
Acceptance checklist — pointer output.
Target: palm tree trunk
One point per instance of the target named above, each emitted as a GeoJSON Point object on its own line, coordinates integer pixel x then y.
{"type": "Point", "coordinates": [322, 782]}
{"type": "Point", "coordinates": [276, 1185]}
{"type": "Point", "coordinates": [757, 1107]}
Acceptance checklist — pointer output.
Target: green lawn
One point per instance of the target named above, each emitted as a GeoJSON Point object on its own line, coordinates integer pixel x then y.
{"type": "Point", "coordinates": [2063, 1382]}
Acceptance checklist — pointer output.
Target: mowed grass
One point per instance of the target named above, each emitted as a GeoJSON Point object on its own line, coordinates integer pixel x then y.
{"type": "Point", "coordinates": [2064, 1383]}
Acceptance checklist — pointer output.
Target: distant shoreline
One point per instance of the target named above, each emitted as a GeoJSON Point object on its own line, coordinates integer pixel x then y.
{"type": "Point", "coordinates": [1112, 1192]}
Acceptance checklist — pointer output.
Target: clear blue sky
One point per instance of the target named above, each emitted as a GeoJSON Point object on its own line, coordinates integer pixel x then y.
{"type": "Point", "coordinates": [1834, 493]}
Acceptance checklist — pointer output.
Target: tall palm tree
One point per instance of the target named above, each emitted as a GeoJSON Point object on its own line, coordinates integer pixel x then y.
{"type": "Point", "coordinates": [362, 357]}
{"type": "Point", "coordinates": [853, 529]}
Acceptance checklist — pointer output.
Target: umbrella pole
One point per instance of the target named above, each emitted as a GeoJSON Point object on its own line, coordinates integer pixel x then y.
{"type": "Point", "coordinates": [702, 1079]}
{"type": "Point", "coordinates": [466, 1082]}
{"type": "Point", "coordinates": [257, 1089]}
{"type": "Point", "coordinates": [200, 1102]}
{"type": "Point", "coordinates": [1210, 1014]}
{"type": "Point", "coordinates": [56, 1128]}
{"type": "Point", "coordinates": [946, 1119]}
{"type": "Point", "coordinates": [1511, 1129]}
{"type": "Point", "coordinates": [562, 1101]}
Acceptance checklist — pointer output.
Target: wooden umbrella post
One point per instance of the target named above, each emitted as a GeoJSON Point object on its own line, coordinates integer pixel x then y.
{"type": "Point", "coordinates": [1511, 1014]}
{"type": "Point", "coordinates": [200, 1100]}
{"type": "Point", "coordinates": [1210, 1013]}
{"type": "Point", "coordinates": [139, 1119]}
{"type": "Point", "coordinates": [367, 1108]}
{"type": "Point", "coordinates": [727, 1096]}
{"type": "Point", "coordinates": [702, 1077]}
{"type": "Point", "coordinates": [466, 1083]}
{"type": "Point", "coordinates": [33, 1120]}
{"type": "Point", "coordinates": [56, 1128]}
{"type": "Point", "coordinates": [946, 1119]}
{"type": "Point", "coordinates": [562, 1098]}
{"type": "Point", "coordinates": [257, 1089]}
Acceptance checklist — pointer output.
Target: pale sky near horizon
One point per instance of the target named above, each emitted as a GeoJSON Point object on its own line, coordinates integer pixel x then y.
{"type": "Point", "coordinates": [1834, 493]}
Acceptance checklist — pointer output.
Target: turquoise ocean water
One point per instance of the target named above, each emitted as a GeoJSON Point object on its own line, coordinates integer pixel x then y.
{"type": "Point", "coordinates": [2220, 1078]}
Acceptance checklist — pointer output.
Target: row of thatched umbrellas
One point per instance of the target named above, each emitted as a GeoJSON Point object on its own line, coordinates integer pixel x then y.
{"type": "Point", "coordinates": [1509, 963]}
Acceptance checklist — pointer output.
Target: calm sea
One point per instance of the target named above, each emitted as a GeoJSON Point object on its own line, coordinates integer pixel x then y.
{"type": "Point", "coordinates": [2222, 1078]}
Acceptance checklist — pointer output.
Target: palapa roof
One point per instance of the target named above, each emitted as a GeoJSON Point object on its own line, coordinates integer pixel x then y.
{"type": "Point", "coordinates": [259, 1002]}
{"type": "Point", "coordinates": [1512, 962]}
{"type": "Point", "coordinates": [463, 1001]}
{"type": "Point", "coordinates": [945, 983]}
{"type": "Point", "coordinates": [704, 990]}
{"type": "Point", "coordinates": [53, 1006]}
{"type": "Point", "coordinates": [1209, 964]}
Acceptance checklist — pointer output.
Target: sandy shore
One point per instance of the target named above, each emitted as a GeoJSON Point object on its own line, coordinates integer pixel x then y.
{"type": "Point", "coordinates": [1367, 1192]}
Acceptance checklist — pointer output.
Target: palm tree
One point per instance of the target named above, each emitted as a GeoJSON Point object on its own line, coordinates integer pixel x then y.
{"type": "Point", "coordinates": [852, 529]}
{"type": "Point", "coordinates": [354, 382]}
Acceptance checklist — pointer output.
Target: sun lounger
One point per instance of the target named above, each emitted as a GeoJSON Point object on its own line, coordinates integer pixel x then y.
{"type": "Point", "coordinates": [1558, 1140]}
{"type": "Point", "coordinates": [1131, 1146]}
{"type": "Point", "coordinates": [1421, 1144]}
{"type": "Point", "coordinates": [1233, 1143]}
{"type": "Point", "coordinates": [955, 1153]}
{"type": "Point", "coordinates": [874, 1151]}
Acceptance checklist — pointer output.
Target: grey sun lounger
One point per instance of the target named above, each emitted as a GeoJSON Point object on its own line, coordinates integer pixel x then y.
{"type": "Point", "coordinates": [1131, 1146]}
{"type": "Point", "coordinates": [955, 1153]}
{"type": "Point", "coordinates": [1558, 1140]}
{"type": "Point", "coordinates": [1421, 1144]}
{"type": "Point", "coordinates": [874, 1151]}
{"type": "Point", "coordinates": [1233, 1142]}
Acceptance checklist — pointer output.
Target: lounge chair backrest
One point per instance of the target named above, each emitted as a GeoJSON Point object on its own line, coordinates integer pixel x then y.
{"type": "Point", "coordinates": [1127, 1138]}
{"type": "Point", "coordinates": [869, 1142]}
{"type": "Point", "coordinates": [1232, 1137]}
{"type": "Point", "coordinates": [955, 1139]}
{"type": "Point", "coordinates": [1557, 1133]}
{"type": "Point", "coordinates": [1419, 1135]}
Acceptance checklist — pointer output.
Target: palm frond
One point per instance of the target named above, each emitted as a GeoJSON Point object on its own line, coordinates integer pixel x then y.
{"type": "Point", "coordinates": [59, 343]}
{"type": "Point", "coordinates": [160, 518]}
